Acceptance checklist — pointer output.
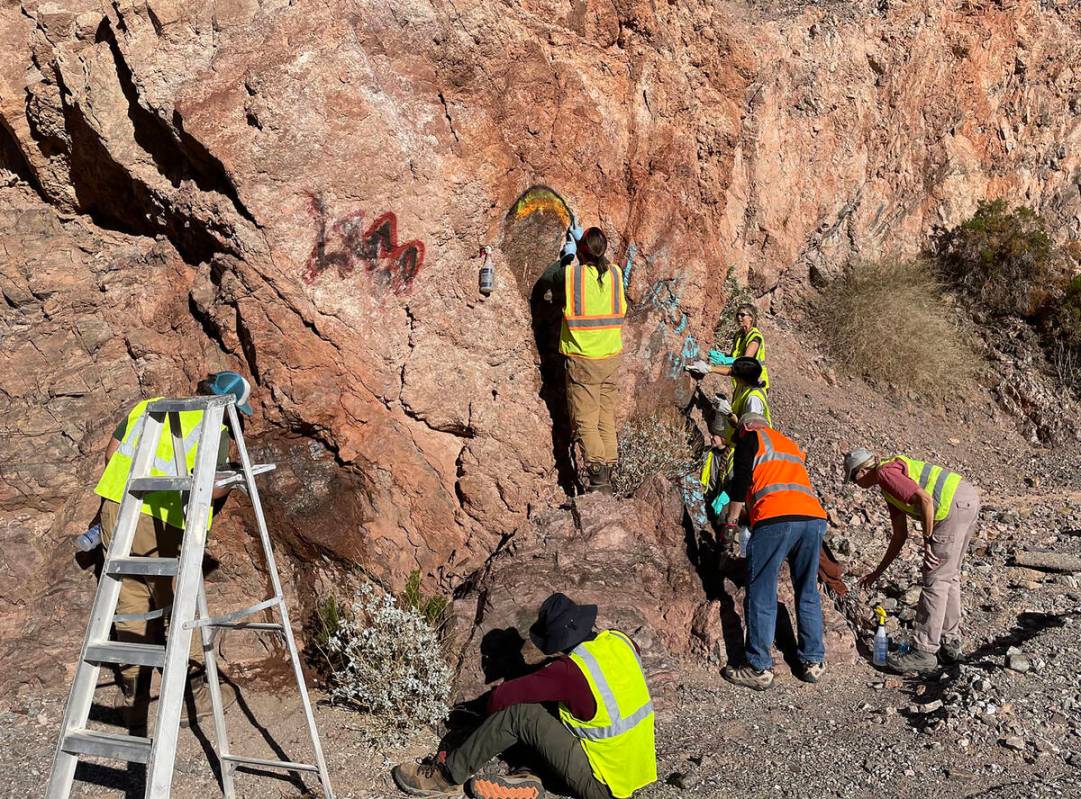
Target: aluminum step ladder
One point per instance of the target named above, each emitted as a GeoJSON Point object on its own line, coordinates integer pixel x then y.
{"type": "Point", "coordinates": [189, 611]}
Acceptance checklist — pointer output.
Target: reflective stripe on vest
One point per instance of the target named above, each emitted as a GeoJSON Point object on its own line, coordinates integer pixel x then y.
{"type": "Point", "coordinates": [937, 481]}
{"type": "Point", "coordinates": [131, 438]}
{"type": "Point", "coordinates": [593, 312]}
{"type": "Point", "coordinates": [619, 724]}
{"type": "Point", "coordinates": [780, 485]}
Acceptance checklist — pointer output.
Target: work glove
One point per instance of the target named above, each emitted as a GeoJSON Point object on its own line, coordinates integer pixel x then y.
{"type": "Point", "coordinates": [718, 358]}
{"type": "Point", "coordinates": [722, 406]}
{"type": "Point", "coordinates": [719, 503]}
{"type": "Point", "coordinates": [698, 368]}
{"type": "Point", "coordinates": [570, 249]}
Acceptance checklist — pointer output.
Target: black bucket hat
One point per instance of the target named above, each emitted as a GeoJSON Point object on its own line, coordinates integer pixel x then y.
{"type": "Point", "coordinates": [562, 624]}
{"type": "Point", "coordinates": [747, 369]}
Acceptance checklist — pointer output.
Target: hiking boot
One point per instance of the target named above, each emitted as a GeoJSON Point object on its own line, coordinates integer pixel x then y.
{"type": "Point", "coordinates": [950, 653]}
{"type": "Point", "coordinates": [748, 677]}
{"type": "Point", "coordinates": [519, 785]}
{"type": "Point", "coordinates": [811, 672]}
{"type": "Point", "coordinates": [912, 662]}
{"type": "Point", "coordinates": [597, 478]}
{"type": "Point", "coordinates": [197, 700]}
{"type": "Point", "coordinates": [427, 777]}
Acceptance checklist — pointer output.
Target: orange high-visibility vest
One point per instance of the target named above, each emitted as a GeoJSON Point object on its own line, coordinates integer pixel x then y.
{"type": "Point", "coordinates": [780, 485]}
{"type": "Point", "coordinates": [593, 312]}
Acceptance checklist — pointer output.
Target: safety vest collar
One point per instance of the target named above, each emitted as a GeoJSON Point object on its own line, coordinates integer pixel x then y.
{"type": "Point", "coordinates": [618, 724]}
{"type": "Point", "coordinates": [769, 453]}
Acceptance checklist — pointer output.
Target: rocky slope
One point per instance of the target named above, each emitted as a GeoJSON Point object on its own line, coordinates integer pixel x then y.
{"type": "Point", "coordinates": [300, 191]}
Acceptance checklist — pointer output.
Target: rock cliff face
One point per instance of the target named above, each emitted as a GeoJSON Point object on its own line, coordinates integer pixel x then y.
{"type": "Point", "coordinates": [300, 191]}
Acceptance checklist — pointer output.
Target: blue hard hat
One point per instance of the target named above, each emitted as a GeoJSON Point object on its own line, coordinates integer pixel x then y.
{"type": "Point", "coordinates": [222, 383]}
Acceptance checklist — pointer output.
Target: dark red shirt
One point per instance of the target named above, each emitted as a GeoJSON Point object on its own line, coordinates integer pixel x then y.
{"type": "Point", "coordinates": [893, 479]}
{"type": "Point", "coordinates": [559, 681]}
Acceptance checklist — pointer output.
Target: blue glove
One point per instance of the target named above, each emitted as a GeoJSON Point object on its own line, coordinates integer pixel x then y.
{"type": "Point", "coordinates": [575, 232]}
{"type": "Point", "coordinates": [718, 358]}
{"type": "Point", "coordinates": [719, 502]}
{"type": "Point", "coordinates": [570, 249]}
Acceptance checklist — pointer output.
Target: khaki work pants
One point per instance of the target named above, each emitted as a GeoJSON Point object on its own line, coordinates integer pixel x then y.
{"type": "Point", "coordinates": [592, 394]}
{"type": "Point", "coordinates": [138, 595]}
{"type": "Point", "coordinates": [938, 615]}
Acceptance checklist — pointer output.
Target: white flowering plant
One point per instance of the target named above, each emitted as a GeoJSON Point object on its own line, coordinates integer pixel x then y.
{"type": "Point", "coordinates": [384, 660]}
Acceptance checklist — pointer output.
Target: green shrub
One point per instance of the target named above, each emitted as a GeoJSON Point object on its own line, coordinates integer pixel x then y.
{"type": "Point", "coordinates": [1005, 260]}
{"type": "Point", "coordinates": [889, 322]}
{"type": "Point", "coordinates": [655, 442]}
{"type": "Point", "coordinates": [1063, 330]}
{"type": "Point", "coordinates": [432, 607]}
{"type": "Point", "coordinates": [735, 295]}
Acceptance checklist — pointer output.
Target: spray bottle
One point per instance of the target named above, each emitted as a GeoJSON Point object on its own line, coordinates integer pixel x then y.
{"type": "Point", "coordinates": [487, 272]}
{"type": "Point", "coordinates": [882, 642]}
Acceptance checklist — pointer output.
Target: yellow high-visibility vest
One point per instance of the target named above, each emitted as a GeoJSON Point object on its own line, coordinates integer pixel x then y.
{"type": "Point", "coordinates": [739, 350]}
{"type": "Point", "coordinates": [593, 311]}
{"type": "Point", "coordinates": [619, 739]}
{"type": "Point", "coordinates": [937, 481]}
{"type": "Point", "coordinates": [164, 505]}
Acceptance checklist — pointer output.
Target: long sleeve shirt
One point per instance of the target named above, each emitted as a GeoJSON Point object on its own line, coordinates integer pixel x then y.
{"type": "Point", "coordinates": [560, 681]}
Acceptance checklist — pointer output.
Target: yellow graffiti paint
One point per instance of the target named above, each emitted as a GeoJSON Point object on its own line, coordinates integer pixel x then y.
{"type": "Point", "coordinates": [538, 199]}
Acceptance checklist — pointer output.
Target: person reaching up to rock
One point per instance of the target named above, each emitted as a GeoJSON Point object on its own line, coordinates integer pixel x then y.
{"type": "Point", "coordinates": [947, 507]}
{"type": "Point", "coordinates": [601, 740]}
{"type": "Point", "coordinates": [592, 341]}
{"type": "Point", "coordinates": [748, 343]}
{"type": "Point", "coordinates": [770, 483]}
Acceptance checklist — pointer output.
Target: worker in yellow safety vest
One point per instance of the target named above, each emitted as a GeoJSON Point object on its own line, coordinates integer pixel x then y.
{"type": "Point", "coordinates": [747, 343]}
{"type": "Point", "coordinates": [947, 507]}
{"type": "Point", "coordinates": [600, 741]}
{"type": "Point", "coordinates": [144, 602]}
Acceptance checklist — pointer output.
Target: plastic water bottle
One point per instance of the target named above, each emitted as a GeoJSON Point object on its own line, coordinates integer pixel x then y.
{"type": "Point", "coordinates": [89, 540]}
{"type": "Point", "coordinates": [744, 540]}
{"type": "Point", "coordinates": [487, 273]}
{"type": "Point", "coordinates": [882, 641]}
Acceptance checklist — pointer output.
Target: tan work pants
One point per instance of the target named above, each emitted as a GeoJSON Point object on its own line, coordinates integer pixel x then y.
{"type": "Point", "coordinates": [592, 394]}
{"type": "Point", "coordinates": [139, 595]}
{"type": "Point", "coordinates": [938, 615]}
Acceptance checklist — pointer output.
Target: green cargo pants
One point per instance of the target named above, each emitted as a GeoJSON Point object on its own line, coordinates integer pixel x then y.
{"type": "Point", "coordinates": [538, 729]}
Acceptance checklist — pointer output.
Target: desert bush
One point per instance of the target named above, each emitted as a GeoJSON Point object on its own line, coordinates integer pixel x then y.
{"type": "Point", "coordinates": [1063, 329]}
{"type": "Point", "coordinates": [656, 442]}
{"type": "Point", "coordinates": [735, 295]}
{"type": "Point", "coordinates": [1005, 260]}
{"type": "Point", "coordinates": [889, 322]}
{"type": "Point", "coordinates": [431, 606]}
{"type": "Point", "coordinates": [383, 659]}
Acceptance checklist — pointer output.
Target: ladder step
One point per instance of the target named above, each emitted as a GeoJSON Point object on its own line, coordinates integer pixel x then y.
{"type": "Point", "coordinates": [107, 744]}
{"type": "Point", "coordinates": [142, 567]}
{"type": "Point", "coordinates": [189, 404]}
{"type": "Point", "coordinates": [258, 761]}
{"type": "Point", "coordinates": [123, 652]}
{"type": "Point", "coordinates": [226, 477]}
{"type": "Point", "coordinates": [141, 485]}
{"type": "Point", "coordinates": [257, 626]}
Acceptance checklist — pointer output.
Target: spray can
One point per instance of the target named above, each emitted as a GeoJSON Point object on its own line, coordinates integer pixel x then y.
{"type": "Point", "coordinates": [882, 641]}
{"type": "Point", "coordinates": [487, 272]}
{"type": "Point", "coordinates": [744, 540]}
{"type": "Point", "coordinates": [88, 540]}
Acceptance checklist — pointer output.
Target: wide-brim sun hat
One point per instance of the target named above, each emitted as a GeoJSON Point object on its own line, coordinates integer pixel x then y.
{"type": "Point", "coordinates": [855, 460]}
{"type": "Point", "coordinates": [223, 383]}
{"type": "Point", "coordinates": [562, 624]}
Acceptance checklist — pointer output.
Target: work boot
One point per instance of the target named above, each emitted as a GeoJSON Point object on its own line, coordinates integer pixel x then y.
{"type": "Point", "coordinates": [597, 478]}
{"type": "Point", "coordinates": [748, 677]}
{"type": "Point", "coordinates": [427, 777]}
{"type": "Point", "coordinates": [912, 662]}
{"type": "Point", "coordinates": [951, 653]}
{"type": "Point", "coordinates": [197, 703]}
{"type": "Point", "coordinates": [519, 785]}
{"type": "Point", "coordinates": [811, 672]}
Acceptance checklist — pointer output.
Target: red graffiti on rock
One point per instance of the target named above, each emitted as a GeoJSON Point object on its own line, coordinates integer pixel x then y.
{"type": "Point", "coordinates": [348, 246]}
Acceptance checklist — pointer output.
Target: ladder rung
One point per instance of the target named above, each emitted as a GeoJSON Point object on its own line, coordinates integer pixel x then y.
{"type": "Point", "coordinates": [258, 626]}
{"type": "Point", "coordinates": [189, 404]}
{"type": "Point", "coordinates": [226, 477]}
{"type": "Point", "coordinates": [142, 567]}
{"type": "Point", "coordinates": [258, 761]}
{"type": "Point", "coordinates": [107, 744]}
{"type": "Point", "coordinates": [124, 652]}
{"type": "Point", "coordinates": [141, 485]}
{"type": "Point", "coordinates": [236, 615]}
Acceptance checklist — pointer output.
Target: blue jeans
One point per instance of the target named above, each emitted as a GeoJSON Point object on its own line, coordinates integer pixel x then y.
{"type": "Point", "coordinates": [800, 543]}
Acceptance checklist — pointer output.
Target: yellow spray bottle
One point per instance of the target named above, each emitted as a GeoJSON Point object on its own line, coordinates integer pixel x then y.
{"type": "Point", "coordinates": [882, 642]}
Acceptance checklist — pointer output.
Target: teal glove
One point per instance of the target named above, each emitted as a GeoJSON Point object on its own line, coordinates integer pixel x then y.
{"type": "Point", "coordinates": [719, 502]}
{"type": "Point", "coordinates": [718, 358]}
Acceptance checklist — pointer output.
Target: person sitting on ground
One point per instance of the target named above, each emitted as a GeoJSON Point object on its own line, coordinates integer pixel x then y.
{"type": "Point", "coordinates": [591, 339]}
{"type": "Point", "coordinates": [947, 507]}
{"type": "Point", "coordinates": [770, 482]}
{"type": "Point", "coordinates": [748, 343]}
{"type": "Point", "coordinates": [145, 601]}
{"type": "Point", "coordinates": [602, 743]}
